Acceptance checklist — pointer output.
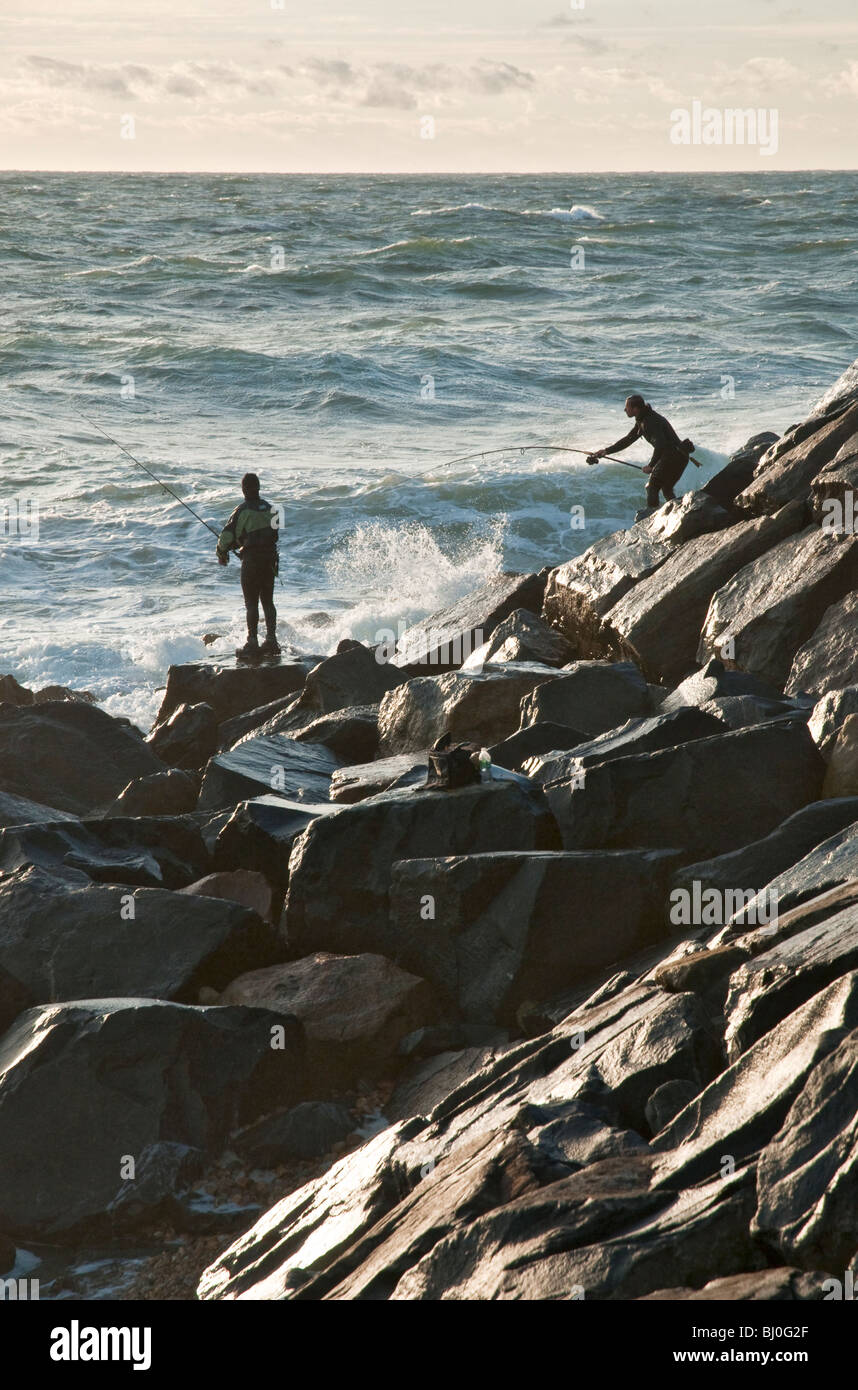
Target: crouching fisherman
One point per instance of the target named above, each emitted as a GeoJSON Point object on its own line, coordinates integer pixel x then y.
{"type": "Point", "coordinates": [252, 533]}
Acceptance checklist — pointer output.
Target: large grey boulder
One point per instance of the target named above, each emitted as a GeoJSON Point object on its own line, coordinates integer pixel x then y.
{"type": "Point", "coordinates": [767, 988]}
{"type": "Point", "coordinates": [62, 937]}
{"type": "Point", "coordinates": [658, 623]}
{"type": "Point", "coordinates": [637, 736]}
{"type": "Point", "coordinates": [490, 931]}
{"type": "Point", "coordinates": [787, 470]}
{"type": "Point", "coordinates": [355, 1010]}
{"type": "Point", "coordinates": [807, 1177]}
{"type": "Point", "coordinates": [230, 690]}
{"type": "Point", "coordinates": [579, 593]}
{"type": "Point", "coordinates": [829, 715]}
{"type": "Point", "coordinates": [340, 869]}
{"type": "Point", "coordinates": [188, 738]}
{"type": "Point", "coordinates": [260, 833]}
{"type": "Point", "coordinates": [18, 810]}
{"type": "Point", "coordinates": [354, 675]}
{"type": "Point", "coordinates": [172, 793]}
{"type": "Point", "coordinates": [742, 1109]}
{"type": "Point", "coordinates": [739, 471]}
{"type": "Point", "coordinates": [258, 766]}
{"type": "Point", "coordinates": [351, 734]}
{"type": "Point", "coordinates": [591, 695]}
{"type": "Point", "coordinates": [757, 1286]}
{"type": "Point", "coordinates": [534, 742]}
{"type": "Point", "coordinates": [756, 864]}
{"type": "Point", "coordinates": [442, 641]}
{"type": "Point", "coordinates": [772, 606]}
{"type": "Point", "coordinates": [713, 794]}
{"type": "Point", "coordinates": [69, 755]}
{"type": "Point", "coordinates": [827, 661]}
{"type": "Point", "coordinates": [358, 781]}
{"type": "Point", "coordinates": [832, 863]}
{"type": "Point", "coordinates": [481, 706]}
{"type": "Point", "coordinates": [833, 484]}
{"type": "Point", "coordinates": [521, 637]}
{"type": "Point", "coordinates": [715, 681]}
{"type": "Point", "coordinates": [88, 1088]}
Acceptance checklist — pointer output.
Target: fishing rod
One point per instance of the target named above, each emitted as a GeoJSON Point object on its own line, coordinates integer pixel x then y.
{"type": "Point", "coordinates": [165, 486]}
{"type": "Point", "coordinates": [544, 448]}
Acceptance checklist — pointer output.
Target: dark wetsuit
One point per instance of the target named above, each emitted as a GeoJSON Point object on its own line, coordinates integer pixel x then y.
{"type": "Point", "coordinates": [669, 459]}
{"type": "Point", "coordinates": [252, 532]}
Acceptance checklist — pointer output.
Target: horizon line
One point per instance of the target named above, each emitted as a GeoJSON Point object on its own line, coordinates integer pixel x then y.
{"type": "Point", "coordinates": [437, 173]}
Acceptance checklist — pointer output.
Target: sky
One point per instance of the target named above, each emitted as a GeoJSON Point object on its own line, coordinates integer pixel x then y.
{"type": "Point", "coordinates": [426, 85]}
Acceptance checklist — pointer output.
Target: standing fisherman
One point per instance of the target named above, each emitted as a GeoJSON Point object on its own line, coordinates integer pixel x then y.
{"type": "Point", "coordinates": [252, 532]}
{"type": "Point", "coordinates": [670, 453]}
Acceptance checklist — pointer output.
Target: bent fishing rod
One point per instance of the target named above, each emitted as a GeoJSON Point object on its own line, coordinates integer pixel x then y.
{"type": "Point", "coordinates": [551, 449]}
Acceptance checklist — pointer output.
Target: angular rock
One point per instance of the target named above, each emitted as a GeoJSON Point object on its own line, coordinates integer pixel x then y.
{"type": "Point", "coordinates": [713, 794]}
{"type": "Point", "coordinates": [361, 780]}
{"type": "Point", "coordinates": [739, 471]}
{"type": "Point", "coordinates": [82, 1084]}
{"type": "Point", "coordinates": [832, 863]}
{"type": "Point", "coordinates": [841, 779]}
{"type": "Point", "coordinates": [510, 927]}
{"type": "Point", "coordinates": [350, 734]}
{"type": "Point", "coordinates": [480, 706]}
{"type": "Point", "coordinates": [442, 641]}
{"type": "Point", "coordinates": [521, 637]}
{"type": "Point", "coordinates": [591, 695]}
{"type": "Point", "coordinates": [355, 1009]}
{"type": "Point", "coordinates": [715, 682]}
{"type": "Point", "coordinates": [244, 886]}
{"type": "Point", "coordinates": [263, 765]}
{"type": "Point", "coordinates": [764, 990]}
{"type": "Point", "coordinates": [579, 593]}
{"type": "Point", "coordinates": [742, 711]}
{"type": "Point", "coordinates": [69, 755]}
{"type": "Point", "coordinates": [658, 624]}
{"type": "Point", "coordinates": [742, 1109]}
{"type": "Point", "coordinates": [279, 717]}
{"type": "Point", "coordinates": [307, 1130]}
{"type": "Point", "coordinates": [64, 938]}
{"type": "Point", "coordinates": [785, 474]}
{"type": "Point", "coordinates": [756, 864]}
{"type": "Point", "coordinates": [354, 675]}
{"type": "Point", "coordinates": [17, 810]}
{"type": "Point", "coordinates": [12, 693]}
{"type": "Point", "coordinates": [172, 793]}
{"type": "Point", "coordinates": [188, 738]}
{"type": "Point", "coordinates": [637, 736]}
{"type": "Point", "coordinates": [230, 690]}
{"type": "Point", "coordinates": [156, 852]}
{"type": "Point", "coordinates": [260, 833]}
{"type": "Point", "coordinates": [807, 1177]}
{"type": "Point", "coordinates": [771, 607]}
{"type": "Point", "coordinates": [758, 1286]}
{"type": "Point", "coordinates": [829, 714]}
{"type": "Point", "coordinates": [533, 743]}
{"type": "Point", "coordinates": [834, 483]}
{"type": "Point", "coordinates": [666, 1102]}
{"type": "Point", "coordinates": [339, 872]}
{"type": "Point", "coordinates": [680, 520]}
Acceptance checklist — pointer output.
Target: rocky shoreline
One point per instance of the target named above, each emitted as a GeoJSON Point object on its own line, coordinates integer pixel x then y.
{"type": "Point", "coordinates": [309, 1029]}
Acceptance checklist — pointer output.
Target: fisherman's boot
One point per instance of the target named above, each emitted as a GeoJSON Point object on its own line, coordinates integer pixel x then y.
{"type": "Point", "coordinates": [270, 647]}
{"type": "Point", "coordinates": [251, 648]}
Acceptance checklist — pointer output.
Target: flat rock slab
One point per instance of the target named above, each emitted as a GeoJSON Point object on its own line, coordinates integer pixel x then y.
{"type": "Point", "coordinates": [355, 1010]}
{"type": "Point", "coordinates": [340, 869]}
{"type": "Point", "coordinates": [764, 990]}
{"type": "Point", "coordinates": [711, 794]}
{"type": "Point", "coordinates": [230, 690]}
{"type": "Point", "coordinates": [259, 766]}
{"type": "Point", "coordinates": [146, 852]}
{"type": "Point", "coordinates": [832, 863]}
{"type": "Point", "coordinates": [658, 624]}
{"type": "Point", "coordinates": [783, 1285]}
{"type": "Point", "coordinates": [82, 1085]}
{"type": "Point", "coordinates": [771, 607]}
{"type": "Point", "coordinates": [358, 781]}
{"type": "Point", "coordinates": [591, 695]}
{"type": "Point", "coordinates": [807, 1177]}
{"type": "Point", "coordinates": [65, 938]}
{"type": "Point", "coordinates": [522, 637]}
{"type": "Point", "coordinates": [504, 928]}
{"type": "Point", "coordinates": [18, 810]}
{"type": "Point", "coordinates": [647, 735]}
{"type": "Point", "coordinates": [69, 755]}
{"type": "Point", "coordinates": [534, 742]}
{"type": "Point", "coordinates": [742, 1109]}
{"type": "Point", "coordinates": [481, 706]}
{"type": "Point", "coordinates": [786, 472]}
{"type": "Point", "coordinates": [442, 641]}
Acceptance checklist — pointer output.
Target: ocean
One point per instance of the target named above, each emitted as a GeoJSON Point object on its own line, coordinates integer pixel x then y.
{"type": "Point", "coordinates": [346, 337]}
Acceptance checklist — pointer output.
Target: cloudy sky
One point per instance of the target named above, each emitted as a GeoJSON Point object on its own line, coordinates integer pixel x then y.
{"type": "Point", "coordinates": [422, 85]}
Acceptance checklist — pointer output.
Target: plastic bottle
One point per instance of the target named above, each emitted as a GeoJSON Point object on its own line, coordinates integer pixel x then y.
{"type": "Point", "coordinates": [485, 765]}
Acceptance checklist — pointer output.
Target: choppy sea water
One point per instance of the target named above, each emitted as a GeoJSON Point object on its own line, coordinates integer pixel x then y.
{"type": "Point", "coordinates": [345, 337]}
